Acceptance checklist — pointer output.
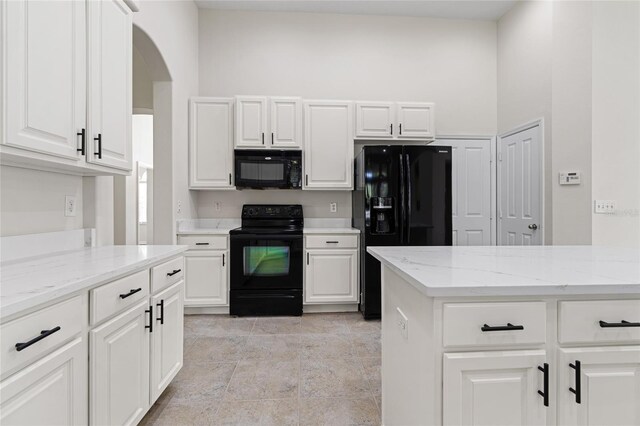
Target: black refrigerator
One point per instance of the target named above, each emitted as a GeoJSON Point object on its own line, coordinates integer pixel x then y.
{"type": "Point", "coordinates": [401, 197]}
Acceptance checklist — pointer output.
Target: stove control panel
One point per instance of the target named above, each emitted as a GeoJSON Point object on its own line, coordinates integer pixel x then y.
{"type": "Point", "coordinates": [271, 211]}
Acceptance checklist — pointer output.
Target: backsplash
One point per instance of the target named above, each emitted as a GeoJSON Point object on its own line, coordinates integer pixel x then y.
{"type": "Point", "coordinates": [228, 204]}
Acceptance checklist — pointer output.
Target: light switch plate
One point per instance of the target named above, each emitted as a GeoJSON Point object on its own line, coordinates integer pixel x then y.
{"type": "Point", "coordinates": [604, 206]}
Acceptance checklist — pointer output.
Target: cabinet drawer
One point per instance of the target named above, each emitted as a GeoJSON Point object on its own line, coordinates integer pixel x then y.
{"type": "Point", "coordinates": [579, 322]}
{"type": "Point", "coordinates": [203, 242]}
{"type": "Point", "coordinates": [166, 274]}
{"type": "Point", "coordinates": [69, 316]}
{"type": "Point", "coordinates": [487, 324]}
{"type": "Point", "coordinates": [331, 241]}
{"type": "Point", "coordinates": [117, 295]}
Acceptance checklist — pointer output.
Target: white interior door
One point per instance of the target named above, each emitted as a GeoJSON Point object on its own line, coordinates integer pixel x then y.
{"type": "Point", "coordinates": [520, 189]}
{"type": "Point", "coordinates": [471, 190]}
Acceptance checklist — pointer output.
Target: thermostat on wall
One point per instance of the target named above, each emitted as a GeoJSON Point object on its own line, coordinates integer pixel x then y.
{"type": "Point", "coordinates": [569, 178]}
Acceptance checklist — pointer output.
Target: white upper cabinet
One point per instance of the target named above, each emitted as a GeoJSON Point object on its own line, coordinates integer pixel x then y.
{"type": "Point", "coordinates": [110, 63]}
{"type": "Point", "coordinates": [328, 145]}
{"type": "Point", "coordinates": [375, 119]}
{"type": "Point", "coordinates": [286, 122]}
{"type": "Point", "coordinates": [45, 76]}
{"type": "Point", "coordinates": [415, 120]}
{"type": "Point", "coordinates": [211, 143]}
{"type": "Point", "coordinates": [263, 122]}
{"type": "Point", "coordinates": [395, 120]}
{"type": "Point", "coordinates": [67, 78]}
{"type": "Point", "coordinates": [251, 121]}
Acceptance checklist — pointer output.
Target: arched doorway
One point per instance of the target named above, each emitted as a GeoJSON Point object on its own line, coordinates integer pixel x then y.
{"type": "Point", "coordinates": [157, 103]}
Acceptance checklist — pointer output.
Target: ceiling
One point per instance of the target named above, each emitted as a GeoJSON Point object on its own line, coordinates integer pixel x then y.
{"type": "Point", "coordinates": [451, 9]}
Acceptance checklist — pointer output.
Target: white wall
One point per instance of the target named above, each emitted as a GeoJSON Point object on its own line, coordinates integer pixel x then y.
{"type": "Point", "coordinates": [142, 87]}
{"type": "Point", "coordinates": [616, 120]}
{"type": "Point", "coordinates": [571, 121]}
{"type": "Point", "coordinates": [327, 56]}
{"type": "Point", "coordinates": [33, 201]}
{"type": "Point", "coordinates": [524, 78]}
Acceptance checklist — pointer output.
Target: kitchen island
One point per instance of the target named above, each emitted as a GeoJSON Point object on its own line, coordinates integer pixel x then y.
{"type": "Point", "coordinates": [510, 335]}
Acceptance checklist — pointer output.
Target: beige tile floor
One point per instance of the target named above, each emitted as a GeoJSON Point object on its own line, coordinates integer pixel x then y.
{"type": "Point", "coordinates": [320, 369]}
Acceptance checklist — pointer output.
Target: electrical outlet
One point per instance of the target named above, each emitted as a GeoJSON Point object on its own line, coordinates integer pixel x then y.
{"type": "Point", "coordinates": [179, 209]}
{"type": "Point", "coordinates": [70, 205]}
{"type": "Point", "coordinates": [333, 207]}
{"type": "Point", "coordinates": [605, 206]}
{"type": "Point", "coordinates": [403, 324]}
{"type": "Point", "coordinates": [217, 205]}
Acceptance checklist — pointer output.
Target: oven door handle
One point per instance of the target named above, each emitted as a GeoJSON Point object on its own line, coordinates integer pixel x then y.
{"type": "Point", "coordinates": [266, 296]}
{"type": "Point", "coordinates": [267, 237]}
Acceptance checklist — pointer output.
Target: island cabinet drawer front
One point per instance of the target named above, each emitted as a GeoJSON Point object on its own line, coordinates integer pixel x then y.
{"type": "Point", "coordinates": [40, 332]}
{"type": "Point", "coordinates": [204, 242]}
{"type": "Point", "coordinates": [580, 321]}
{"type": "Point", "coordinates": [118, 295]}
{"type": "Point", "coordinates": [166, 274]}
{"type": "Point", "coordinates": [332, 241]}
{"type": "Point", "coordinates": [494, 324]}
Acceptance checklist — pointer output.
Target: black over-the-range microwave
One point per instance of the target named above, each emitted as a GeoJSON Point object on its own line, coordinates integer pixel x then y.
{"type": "Point", "coordinates": [268, 168]}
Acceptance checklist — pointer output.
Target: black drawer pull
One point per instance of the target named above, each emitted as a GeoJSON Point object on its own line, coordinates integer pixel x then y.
{"type": "Point", "coordinates": [99, 140]}
{"type": "Point", "coordinates": [545, 385]}
{"type": "Point", "coordinates": [161, 317]}
{"type": "Point", "coordinates": [332, 242]}
{"type": "Point", "coordinates": [131, 292]}
{"type": "Point", "coordinates": [43, 334]}
{"type": "Point", "coordinates": [175, 271]}
{"type": "Point", "coordinates": [577, 391]}
{"type": "Point", "coordinates": [507, 327]}
{"type": "Point", "coordinates": [622, 323]}
{"type": "Point", "coordinates": [150, 312]}
{"type": "Point", "coordinates": [202, 244]}
{"type": "Point", "coordinates": [82, 133]}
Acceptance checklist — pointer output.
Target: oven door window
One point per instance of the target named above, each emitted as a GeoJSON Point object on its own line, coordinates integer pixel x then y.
{"type": "Point", "coordinates": [262, 171]}
{"type": "Point", "coordinates": [266, 261]}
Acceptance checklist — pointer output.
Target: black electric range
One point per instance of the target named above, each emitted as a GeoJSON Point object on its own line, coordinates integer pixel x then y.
{"type": "Point", "coordinates": [266, 262]}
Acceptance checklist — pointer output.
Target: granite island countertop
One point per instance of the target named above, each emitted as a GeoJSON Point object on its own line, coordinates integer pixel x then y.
{"type": "Point", "coordinates": [31, 282]}
{"type": "Point", "coordinates": [515, 271]}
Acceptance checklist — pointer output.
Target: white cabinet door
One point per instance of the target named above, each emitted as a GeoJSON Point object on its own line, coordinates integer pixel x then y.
{"type": "Point", "coordinates": [51, 391]}
{"type": "Point", "coordinates": [110, 99]}
{"type": "Point", "coordinates": [415, 120]}
{"type": "Point", "coordinates": [44, 67]}
{"type": "Point", "coordinates": [328, 141]}
{"type": "Point", "coordinates": [471, 190]}
{"type": "Point", "coordinates": [167, 338]}
{"type": "Point", "coordinates": [608, 386]}
{"type": "Point", "coordinates": [251, 121]}
{"type": "Point", "coordinates": [206, 278]}
{"type": "Point", "coordinates": [286, 123]}
{"type": "Point", "coordinates": [211, 143]}
{"type": "Point", "coordinates": [375, 120]}
{"type": "Point", "coordinates": [493, 388]}
{"type": "Point", "coordinates": [119, 370]}
{"type": "Point", "coordinates": [331, 276]}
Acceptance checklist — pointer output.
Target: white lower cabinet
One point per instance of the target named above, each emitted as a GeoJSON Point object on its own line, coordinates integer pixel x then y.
{"type": "Point", "coordinates": [331, 269]}
{"type": "Point", "coordinates": [206, 278]}
{"type": "Point", "coordinates": [120, 368]}
{"type": "Point", "coordinates": [331, 276]}
{"type": "Point", "coordinates": [494, 388]}
{"type": "Point", "coordinates": [599, 386]}
{"type": "Point", "coordinates": [166, 339]}
{"type": "Point", "coordinates": [51, 391]}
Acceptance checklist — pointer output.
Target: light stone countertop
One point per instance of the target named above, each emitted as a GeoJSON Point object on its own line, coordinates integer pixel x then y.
{"type": "Point", "coordinates": [515, 271]}
{"type": "Point", "coordinates": [223, 226]}
{"type": "Point", "coordinates": [31, 282]}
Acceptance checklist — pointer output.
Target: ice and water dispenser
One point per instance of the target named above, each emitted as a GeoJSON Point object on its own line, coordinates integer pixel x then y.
{"type": "Point", "coordinates": [382, 215]}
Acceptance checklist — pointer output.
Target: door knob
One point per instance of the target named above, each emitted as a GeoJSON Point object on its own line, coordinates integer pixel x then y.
{"type": "Point", "coordinates": [533, 226]}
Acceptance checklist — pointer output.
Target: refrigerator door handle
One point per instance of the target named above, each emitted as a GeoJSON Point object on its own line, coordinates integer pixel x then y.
{"type": "Point", "coordinates": [402, 201]}
{"type": "Point", "coordinates": [409, 189]}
